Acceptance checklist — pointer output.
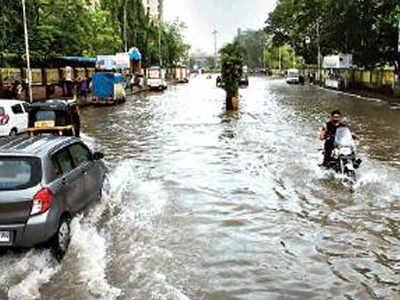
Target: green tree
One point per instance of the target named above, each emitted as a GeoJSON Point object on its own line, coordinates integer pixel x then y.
{"type": "Point", "coordinates": [253, 44]}
{"type": "Point", "coordinates": [366, 29]}
{"type": "Point", "coordinates": [283, 57]}
{"type": "Point", "coordinates": [83, 27]}
{"type": "Point", "coordinates": [231, 72]}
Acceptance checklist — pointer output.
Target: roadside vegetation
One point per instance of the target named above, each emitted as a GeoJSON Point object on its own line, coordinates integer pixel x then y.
{"type": "Point", "coordinates": [366, 29]}
{"type": "Point", "coordinates": [87, 28]}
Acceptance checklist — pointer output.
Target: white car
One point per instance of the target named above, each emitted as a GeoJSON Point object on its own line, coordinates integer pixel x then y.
{"type": "Point", "coordinates": [13, 117]}
{"type": "Point", "coordinates": [293, 76]}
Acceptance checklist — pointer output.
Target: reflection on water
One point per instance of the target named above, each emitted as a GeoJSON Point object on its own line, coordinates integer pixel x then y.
{"type": "Point", "coordinates": [203, 204]}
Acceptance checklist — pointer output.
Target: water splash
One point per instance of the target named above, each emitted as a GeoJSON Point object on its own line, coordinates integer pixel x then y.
{"type": "Point", "coordinates": [26, 274]}
{"type": "Point", "coordinates": [90, 248]}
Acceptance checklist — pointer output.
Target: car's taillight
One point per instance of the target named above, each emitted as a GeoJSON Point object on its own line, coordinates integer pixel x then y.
{"type": "Point", "coordinates": [42, 201]}
{"type": "Point", "coordinates": [4, 119]}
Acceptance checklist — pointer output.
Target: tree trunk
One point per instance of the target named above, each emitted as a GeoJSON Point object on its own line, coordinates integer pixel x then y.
{"type": "Point", "coordinates": [232, 100]}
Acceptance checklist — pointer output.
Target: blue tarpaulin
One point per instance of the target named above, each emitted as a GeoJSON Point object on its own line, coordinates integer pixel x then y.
{"type": "Point", "coordinates": [103, 85]}
{"type": "Point", "coordinates": [134, 54]}
{"type": "Point", "coordinates": [79, 59]}
{"type": "Point", "coordinates": [118, 78]}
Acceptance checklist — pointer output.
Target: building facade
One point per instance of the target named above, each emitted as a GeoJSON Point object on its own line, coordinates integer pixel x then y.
{"type": "Point", "coordinates": [154, 8]}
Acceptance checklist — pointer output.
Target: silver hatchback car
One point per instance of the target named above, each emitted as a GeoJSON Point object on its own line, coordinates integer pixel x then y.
{"type": "Point", "coordinates": [44, 182]}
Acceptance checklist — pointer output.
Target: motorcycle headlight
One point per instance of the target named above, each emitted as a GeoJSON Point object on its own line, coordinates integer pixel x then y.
{"type": "Point", "coordinates": [345, 151]}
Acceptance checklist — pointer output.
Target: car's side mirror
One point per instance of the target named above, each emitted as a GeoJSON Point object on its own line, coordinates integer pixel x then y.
{"type": "Point", "coordinates": [98, 156]}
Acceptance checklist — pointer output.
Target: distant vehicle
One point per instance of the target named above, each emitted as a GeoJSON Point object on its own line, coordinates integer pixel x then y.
{"type": "Point", "coordinates": [181, 74]}
{"type": "Point", "coordinates": [219, 82]}
{"type": "Point", "coordinates": [44, 182]}
{"type": "Point", "coordinates": [244, 81]}
{"type": "Point", "coordinates": [156, 79]}
{"type": "Point", "coordinates": [13, 117]}
{"type": "Point", "coordinates": [56, 117]}
{"type": "Point", "coordinates": [108, 88]}
{"type": "Point", "coordinates": [293, 76]}
{"type": "Point", "coordinates": [209, 76]}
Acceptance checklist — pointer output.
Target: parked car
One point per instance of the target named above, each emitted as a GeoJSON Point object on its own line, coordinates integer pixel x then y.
{"type": "Point", "coordinates": [44, 182]}
{"type": "Point", "coordinates": [13, 117]}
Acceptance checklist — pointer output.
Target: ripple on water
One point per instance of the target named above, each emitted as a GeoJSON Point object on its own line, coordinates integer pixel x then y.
{"type": "Point", "coordinates": [201, 204]}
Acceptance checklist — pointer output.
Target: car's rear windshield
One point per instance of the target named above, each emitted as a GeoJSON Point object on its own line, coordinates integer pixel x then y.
{"type": "Point", "coordinates": [45, 115]}
{"type": "Point", "coordinates": [18, 173]}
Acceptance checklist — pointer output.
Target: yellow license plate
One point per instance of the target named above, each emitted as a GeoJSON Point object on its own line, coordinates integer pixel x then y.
{"type": "Point", "coordinates": [44, 124]}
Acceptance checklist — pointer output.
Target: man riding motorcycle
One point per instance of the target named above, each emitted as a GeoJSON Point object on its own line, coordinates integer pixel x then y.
{"type": "Point", "coordinates": [327, 134]}
{"type": "Point", "coordinates": [340, 149]}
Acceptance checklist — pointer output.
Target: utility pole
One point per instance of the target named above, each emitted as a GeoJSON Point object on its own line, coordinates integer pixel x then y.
{"type": "Point", "coordinates": [215, 33]}
{"type": "Point", "coordinates": [294, 58]}
{"type": "Point", "coordinates": [159, 43]}
{"type": "Point", "coordinates": [126, 25]}
{"type": "Point", "coordinates": [28, 61]}
{"type": "Point", "coordinates": [319, 51]}
{"type": "Point", "coordinates": [280, 59]}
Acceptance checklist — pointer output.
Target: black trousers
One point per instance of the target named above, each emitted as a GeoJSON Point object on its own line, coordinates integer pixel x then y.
{"type": "Point", "coordinates": [328, 149]}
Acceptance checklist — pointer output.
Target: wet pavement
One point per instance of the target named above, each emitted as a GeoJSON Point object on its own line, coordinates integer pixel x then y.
{"type": "Point", "coordinates": [203, 204]}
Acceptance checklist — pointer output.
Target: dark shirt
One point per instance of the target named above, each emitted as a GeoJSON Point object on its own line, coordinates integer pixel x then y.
{"type": "Point", "coordinates": [331, 128]}
{"type": "Point", "coordinates": [84, 85]}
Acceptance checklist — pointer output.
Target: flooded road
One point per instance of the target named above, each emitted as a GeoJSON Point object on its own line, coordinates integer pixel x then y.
{"type": "Point", "coordinates": [201, 204]}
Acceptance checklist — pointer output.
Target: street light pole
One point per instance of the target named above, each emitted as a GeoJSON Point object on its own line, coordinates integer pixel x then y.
{"type": "Point", "coordinates": [126, 26]}
{"type": "Point", "coordinates": [280, 59]}
{"type": "Point", "coordinates": [215, 33]}
{"type": "Point", "coordinates": [319, 51]}
{"type": "Point", "coordinates": [159, 43]}
{"type": "Point", "coordinates": [28, 61]}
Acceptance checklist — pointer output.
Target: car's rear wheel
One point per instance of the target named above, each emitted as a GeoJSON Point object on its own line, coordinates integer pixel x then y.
{"type": "Point", "coordinates": [62, 238]}
{"type": "Point", "coordinates": [13, 132]}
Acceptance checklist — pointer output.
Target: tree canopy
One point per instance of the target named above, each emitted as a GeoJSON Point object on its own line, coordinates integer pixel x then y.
{"type": "Point", "coordinates": [87, 28]}
{"type": "Point", "coordinates": [253, 45]}
{"type": "Point", "coordinates": [366, 29]}
{"type": "Point", "coordinates": [231, 67]}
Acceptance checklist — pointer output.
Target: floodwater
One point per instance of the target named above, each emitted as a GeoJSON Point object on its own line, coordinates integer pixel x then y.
{"type": "Point", "coordinates": [203, 204]}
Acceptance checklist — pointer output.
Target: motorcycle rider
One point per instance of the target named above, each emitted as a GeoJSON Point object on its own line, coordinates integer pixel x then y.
{"type": "Point", "coordinates": [327, 134]}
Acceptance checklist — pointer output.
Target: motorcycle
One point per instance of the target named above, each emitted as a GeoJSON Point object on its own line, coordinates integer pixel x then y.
{"type": "Point", "coordinates": [344, 160]}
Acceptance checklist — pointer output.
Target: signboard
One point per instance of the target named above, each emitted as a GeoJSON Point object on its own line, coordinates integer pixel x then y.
{"type": "Point", "coordinates": [52, 76]}
{"type": "Point", "coordinates": [80, 72]}
{"type": "Point", "coordinates": [106, 62]}
{"type": "Point", "coordinates": [341, 61]}
{"type": "Point", "coordinates": [122, 60]}
{"type": "Point", "coordinates": [9, 76]}
{"type": "Point", "coordinates": [36, 76]}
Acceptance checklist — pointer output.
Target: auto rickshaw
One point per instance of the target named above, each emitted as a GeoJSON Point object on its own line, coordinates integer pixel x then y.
{"type": "Point", "coordinates": [55, 117]}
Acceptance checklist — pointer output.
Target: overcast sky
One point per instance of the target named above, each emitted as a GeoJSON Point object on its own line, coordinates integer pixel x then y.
{"type": "Point", "coordinates": [226, 16]}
